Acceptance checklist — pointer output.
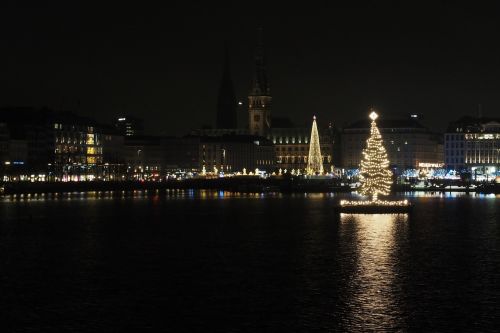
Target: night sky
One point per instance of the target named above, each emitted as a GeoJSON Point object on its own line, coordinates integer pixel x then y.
{"type": "Point", "coordinates": [333, 61]}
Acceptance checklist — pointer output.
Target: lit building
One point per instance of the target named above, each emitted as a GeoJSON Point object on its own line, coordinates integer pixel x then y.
{"type": "Point", "coordinates": [13, 154]}
{"type": "Point", "coordinates": [408, 143]}
{"type": "Point", "coordinates": [292, 147]}
{"type": "Point", "coordinates": [291, 144]}
{"type": "Point", "coordinates": [233, 153]}
{"type": "Point", "coordinates": [77, 147]}
{"type": "Point", "coordinates": [113, 154]}
{"type": "Point", "coordinates": [53, 145]}
{"type": "Point", "coordinates": [473, 144]}
{"type": "Point", "coordinates": [144, 157]}
{"type": "Point", "coordinates": [35, 128]}
{"type": "Point", "coordinates": [129, 126]}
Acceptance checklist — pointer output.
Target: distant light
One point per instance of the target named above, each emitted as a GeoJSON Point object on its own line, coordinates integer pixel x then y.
{"type": "Point", "coordinates": [430, 165]}
{"type": "Point", "coordinates": [7, 163]}
{"type": "Point", "coordinates": [240, 103]}
{"type": "Point", "coordinates": [122, 119]}
{"type": "Point", "coordinates": [373, 115]}
{"type": "Point", "coordinates": [414, 115]}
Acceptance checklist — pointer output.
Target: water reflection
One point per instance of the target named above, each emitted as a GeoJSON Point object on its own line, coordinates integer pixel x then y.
{"type": "Point", "coordinates": [439, 194]}
{"type": "Point", "coordinates": [166, 194]}
{"type": "Point", "coordinates": [173, 194]}
{"type": "Point", "coordinates": [373, 290]}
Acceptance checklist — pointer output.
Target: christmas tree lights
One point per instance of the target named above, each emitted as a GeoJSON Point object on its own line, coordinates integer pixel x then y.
{"type": "Point", "coordinates": [375, 176]}
{"type": "Point", "coordinates": [315, 160]}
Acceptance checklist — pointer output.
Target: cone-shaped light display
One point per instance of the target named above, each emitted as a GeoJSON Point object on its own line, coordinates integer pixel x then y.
{"type": "Point", "coordinates": [375, 176]}
{"type": "Point", "coordinates": [315, 160]}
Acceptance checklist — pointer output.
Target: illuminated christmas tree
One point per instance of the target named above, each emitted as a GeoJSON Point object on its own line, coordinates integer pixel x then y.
{"type": "Point", "coordinates": [375, 176]}
{"type": "Point", "coordinates": [315, 160]}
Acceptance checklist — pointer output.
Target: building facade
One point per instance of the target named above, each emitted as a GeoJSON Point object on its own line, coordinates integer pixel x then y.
{"type": "Point", "coordinates": [113, 154]}
{"type": "Point", "coordinates": [181, 154]}
{"type": "Point", "coordinates": [13, 154]}
{"type": "Point", "coordinates": [129, 126]}
{"type": "Point", "coordinates": [34, 127]}
{"type": "Point", "coordinates": [144, 157]}
{"type": "Point", "coordinates": [292, 147]}
{"type": "Point", "coordinates": [52, 145]}
{"type": "Point", "coordinates": [409, 144]}
{"type": "Point", "coordinates": [78, 148]}
{"type": "Point", "coordinates": [473, 144]}
{"type": "Point", "coordinates": [236, 153]}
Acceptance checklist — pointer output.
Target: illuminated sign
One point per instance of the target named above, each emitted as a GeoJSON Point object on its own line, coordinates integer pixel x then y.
{"type": "Point", "coordinates": [483, 136]}
{"type": "Point", "coordinates": [430, 165]}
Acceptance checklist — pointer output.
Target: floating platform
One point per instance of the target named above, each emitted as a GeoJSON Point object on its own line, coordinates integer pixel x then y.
{"type": "Point", "coordinates": [368, 207]}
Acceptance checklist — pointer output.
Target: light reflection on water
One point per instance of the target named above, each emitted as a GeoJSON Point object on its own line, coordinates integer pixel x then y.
{"type": "Point", "coordinates": [230, 261]}
{"type": "Point", "coordinates": [220, 194]}
{"type": "Point", "coordinates": [373, 287]}
{"type": "Point", "coordinates": [168, 194]}
{"type": "Point", "coordinates": [421, 194]}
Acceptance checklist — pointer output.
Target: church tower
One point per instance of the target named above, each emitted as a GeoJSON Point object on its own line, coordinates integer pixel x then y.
{"type": "Point", "coordinates": [226, 102]}
{"type": "Point", "coordinates": [259, 99]}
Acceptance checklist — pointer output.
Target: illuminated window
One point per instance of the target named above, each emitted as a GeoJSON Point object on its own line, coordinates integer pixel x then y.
{"type": "Point", "coordinates": [90, 139]}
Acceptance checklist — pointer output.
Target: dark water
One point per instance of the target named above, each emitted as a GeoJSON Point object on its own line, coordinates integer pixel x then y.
{"type": "Point", "coordinates": [213, 261]}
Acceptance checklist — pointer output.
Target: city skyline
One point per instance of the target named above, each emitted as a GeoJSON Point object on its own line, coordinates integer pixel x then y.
{"type": "Point", "coordinates": [249, 167]}
{"type": "Point", "coordinates": [435, 60]}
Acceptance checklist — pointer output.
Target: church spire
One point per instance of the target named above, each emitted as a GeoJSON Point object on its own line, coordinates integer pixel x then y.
{"type": "Point", "coordinates": [226, 102]}
{"type": "Point", "coordinates": [260, 86]}
{"type": "Point", "coordinates": [259, 98]}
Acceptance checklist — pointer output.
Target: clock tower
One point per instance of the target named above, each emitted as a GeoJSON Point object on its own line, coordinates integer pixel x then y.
{"type": "Point", "coordinates": [259, 98]}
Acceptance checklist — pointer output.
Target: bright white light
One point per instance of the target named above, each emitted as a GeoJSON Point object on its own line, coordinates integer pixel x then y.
{"type": "Point", "coordinates": [121, 119]}
{"type": "Point", "coordinates": [373, 115]}
{"type": "Point", "coordinates": [430, 165]}
{"type": "Point", "coordinates": [377, 202]}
